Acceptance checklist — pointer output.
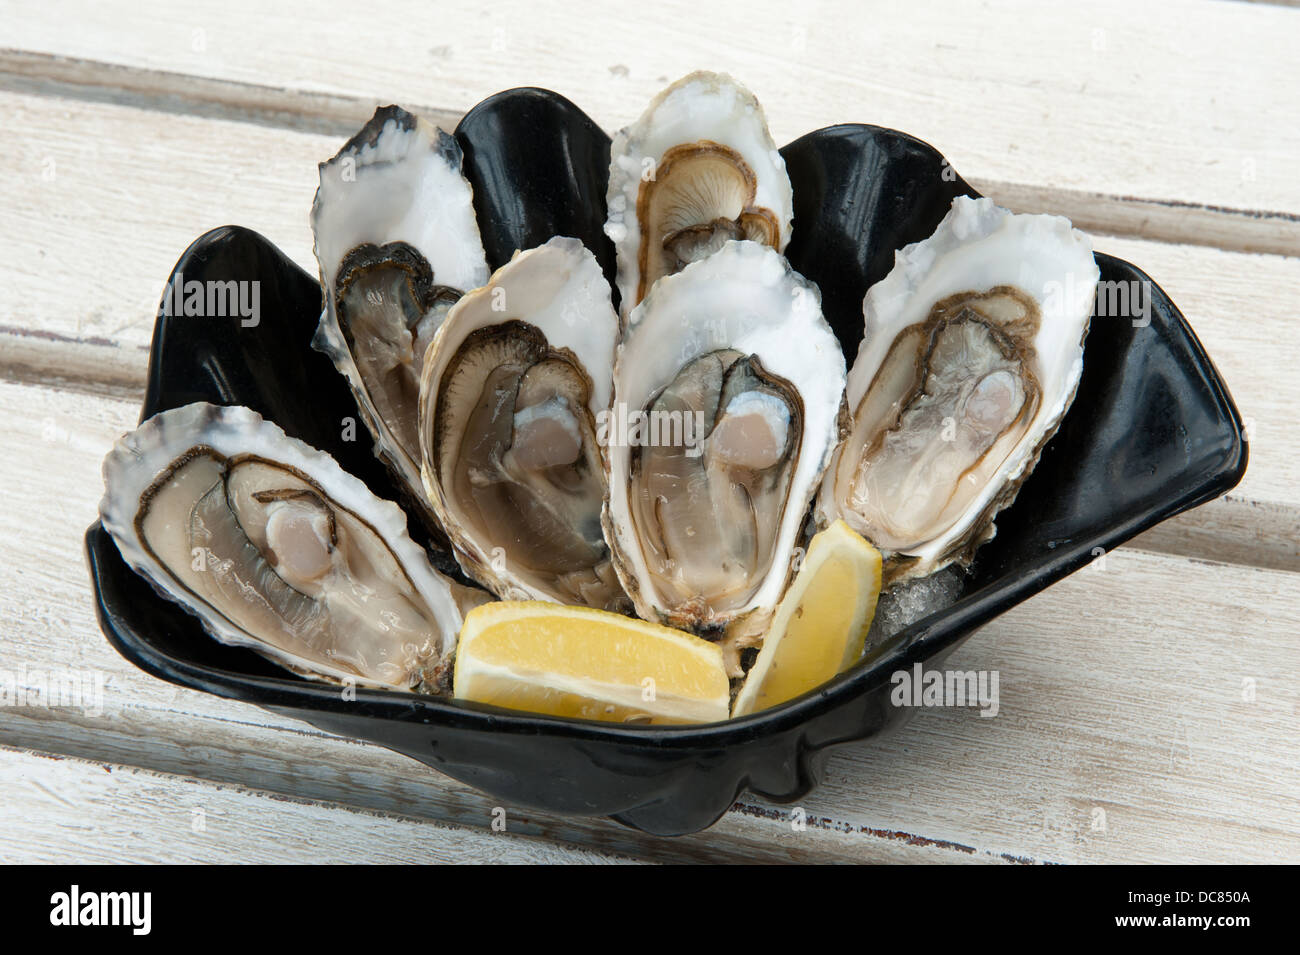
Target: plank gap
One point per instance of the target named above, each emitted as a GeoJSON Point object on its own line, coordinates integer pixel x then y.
{"type": "Point", "coordinates": [70, 370]}
{"type": "Point", "coordinates": [1161, 220]}
{"type": "Point", "coordinates": [1230, 530]}
{"type": "Point", "coordinates": [59, 77]}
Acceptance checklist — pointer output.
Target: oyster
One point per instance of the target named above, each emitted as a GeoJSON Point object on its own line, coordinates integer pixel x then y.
{"type": "Point", "coordinates": [274, 547]}
{"type": "Point", "coordinates": [732, 384]}
{"type": "Point", "coordinates": [972, 351]}
{"type": "Point", "coordinates": [509, 400]}
{"type": "Point", "coordinates": [397, 244]}
{"type": "Point", "coordinates": [698, 169]}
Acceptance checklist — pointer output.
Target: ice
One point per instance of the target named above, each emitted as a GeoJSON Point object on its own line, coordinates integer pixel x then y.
{"type": "Point", "coordinates": [907, 602]}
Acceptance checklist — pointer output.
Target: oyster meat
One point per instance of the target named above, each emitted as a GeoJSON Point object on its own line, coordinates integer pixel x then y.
{"type": "Point", "coordinates": [971, 354]}
{"type": "Point", "coordinates": [732, 386]}
{"type": "Point", "coordinates": [512, 388]}
{"type": "Point", "coordinates": [397, 244]}
{"type": "Point", "coordinates": [274, 547]}
{"type": "Point", "coordinates": [698, 169]}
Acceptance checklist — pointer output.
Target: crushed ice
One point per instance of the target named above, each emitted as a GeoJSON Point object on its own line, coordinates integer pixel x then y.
{"type": "Point", "coordinates": [906, 603]}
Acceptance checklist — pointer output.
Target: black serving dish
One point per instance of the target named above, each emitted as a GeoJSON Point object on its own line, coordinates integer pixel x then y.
{"type": "Point", "coordinates": [1152, 432]}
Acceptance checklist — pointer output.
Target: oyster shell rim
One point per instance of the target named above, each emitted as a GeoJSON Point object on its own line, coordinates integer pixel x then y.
{"type": "Point", "coordinates": [892, 300]}
{"type": "Point", "coordinates": [628, 142]}
{"type": "Point", "coordinates": [468, 552]}
{"type": "Point", "coordinates": [628, 558]}
{"type": "Point", "coordinates": [171, 434]}
{"type": "Point", "coordinates": [330, 337]}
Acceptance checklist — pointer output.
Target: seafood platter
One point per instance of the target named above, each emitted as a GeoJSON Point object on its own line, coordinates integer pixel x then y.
{"type": "Point", "coordinates": [615, 476]}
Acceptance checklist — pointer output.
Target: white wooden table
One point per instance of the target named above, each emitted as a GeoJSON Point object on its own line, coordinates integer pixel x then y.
{"type": "Point", "coordinates": [1148, 709]}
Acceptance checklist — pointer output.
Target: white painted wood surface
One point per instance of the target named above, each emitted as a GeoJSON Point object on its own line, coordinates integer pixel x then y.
{"type": "Point", "coordinates": [97, 812]}
{"type": "Point", "coordinates": [1149, 709]}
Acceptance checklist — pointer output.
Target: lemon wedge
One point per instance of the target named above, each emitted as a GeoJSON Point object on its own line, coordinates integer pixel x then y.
{"type": "Point", "coordinates": [587, 664]}
{"type": "Point", "coordinates": [820, 625]}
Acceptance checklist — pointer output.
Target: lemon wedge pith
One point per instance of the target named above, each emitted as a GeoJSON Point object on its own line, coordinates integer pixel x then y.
{"type": "Point", "coordinates": [820, 625]}
{"type": "Point", "coordinates": [587, 664]}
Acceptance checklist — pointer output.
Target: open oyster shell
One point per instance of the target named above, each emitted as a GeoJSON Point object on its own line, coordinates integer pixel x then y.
{"type": "Point", "coordinates": [731, 386]}
{"type": "Point", "coordinates": [971, 355]}
{"type": "Point", "coordinates": [274, 547]}
{"type": "Point", "coordinates": [699, 168]}
{"type": "Point", "coordinates": [397, 244]}
{"type": "Point", "coordinates": [513, 385]}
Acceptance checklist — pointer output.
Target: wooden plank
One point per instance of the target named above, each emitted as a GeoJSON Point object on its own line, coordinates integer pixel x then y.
{"type": "Point", "coordinates": [71, 313]}
{"type": "Point", "coordinates": [79, 299]}
{"type": "Point", "coordinates": [1237, 305]}
{"type": "Point", "coordinates": [1123, 689]}
{"type": "Point", "coordinates": [1233, 528]}
{"type": "Point", "coordinates": [1118, 692]}
{"type": "Point", "coordinates": [71, 811]}
{"type": "Point", "coordinates": [1097, 107]}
